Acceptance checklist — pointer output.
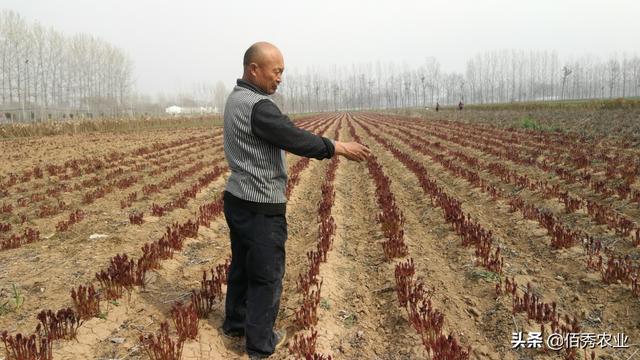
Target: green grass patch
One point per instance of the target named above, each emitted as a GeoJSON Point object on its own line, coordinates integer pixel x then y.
{"type": "Point", "coordinates": [488, 276]}
{"type": "Point", "coordinates": [587, 104]}
{"type": "Point", "coordinates": [350, 320]}
{"type": "Point", "coordinates": [324, 303]}
{"type": "Point", "coordinates": [527, 122]}
{"type": "Point", "coordinates": [13, 304]}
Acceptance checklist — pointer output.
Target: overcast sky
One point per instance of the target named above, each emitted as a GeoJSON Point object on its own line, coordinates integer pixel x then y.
{"type": "Point", "coordinates": [175, 44]}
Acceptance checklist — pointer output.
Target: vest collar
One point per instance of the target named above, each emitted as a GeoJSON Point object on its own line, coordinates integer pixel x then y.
{"type": "Point", "coordinates": [250, 86]}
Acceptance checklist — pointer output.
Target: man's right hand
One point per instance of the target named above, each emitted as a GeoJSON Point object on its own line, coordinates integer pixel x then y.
{"type": "Point", "coordinates": [352, 150]}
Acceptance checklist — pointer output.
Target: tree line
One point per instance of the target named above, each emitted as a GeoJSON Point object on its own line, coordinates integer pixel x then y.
{"type": "Point", "coordinates": [45, 74]}
{"type": "Point", "coordinates": [499, 76]}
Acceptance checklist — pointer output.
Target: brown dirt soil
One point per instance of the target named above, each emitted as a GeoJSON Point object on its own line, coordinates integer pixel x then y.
{"type": "Point", "coordinates": [359, 315]}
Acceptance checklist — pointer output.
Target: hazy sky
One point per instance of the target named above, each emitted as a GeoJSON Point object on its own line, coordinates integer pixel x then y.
{"type": "Point", "coordinates": [177, 43]}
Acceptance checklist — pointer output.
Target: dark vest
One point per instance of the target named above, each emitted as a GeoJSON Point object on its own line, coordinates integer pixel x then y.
{"type": "Point", "coordinates": [258, 169]}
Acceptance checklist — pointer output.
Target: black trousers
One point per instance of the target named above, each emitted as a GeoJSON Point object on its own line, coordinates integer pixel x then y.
{"type": "Point", "coordinates": [255, 276]}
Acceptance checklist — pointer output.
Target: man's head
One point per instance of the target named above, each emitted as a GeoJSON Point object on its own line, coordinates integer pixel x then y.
{"type": "Point", "coordinates": [263, 66]}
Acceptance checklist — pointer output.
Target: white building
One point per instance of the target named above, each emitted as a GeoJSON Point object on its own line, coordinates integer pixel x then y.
{"type": "Point", "coordinates": [177, 110]}
{"type": "Point", "coordinates": [173, 110]}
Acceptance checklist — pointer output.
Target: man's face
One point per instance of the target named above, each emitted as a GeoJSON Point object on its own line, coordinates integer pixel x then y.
{"type": "Point", "coordinates": [268, 74]}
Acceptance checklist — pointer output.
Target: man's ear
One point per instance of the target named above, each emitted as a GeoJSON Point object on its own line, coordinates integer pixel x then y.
{"type": "Point", "coordinates": [253, 69]}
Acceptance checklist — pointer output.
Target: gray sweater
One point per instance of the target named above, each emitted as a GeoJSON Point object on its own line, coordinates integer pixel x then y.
{"type": "Point", "coordinates": [256, 135]}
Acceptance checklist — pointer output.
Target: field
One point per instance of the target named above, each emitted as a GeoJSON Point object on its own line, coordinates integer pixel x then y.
{"type": "Point", "coordinates": [608, 119]}
{"type": "Point", "coordinates": [453, 236]}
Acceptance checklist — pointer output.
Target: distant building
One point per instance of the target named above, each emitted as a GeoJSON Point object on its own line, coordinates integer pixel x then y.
{"type": "Point", "coordinates": [173, 110]}
{"type": "Point", "coordinates": [177, 110]}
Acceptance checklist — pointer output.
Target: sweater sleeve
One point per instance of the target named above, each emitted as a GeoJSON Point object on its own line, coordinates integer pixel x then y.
{"type": "Point", "coordinates": [269, 124]}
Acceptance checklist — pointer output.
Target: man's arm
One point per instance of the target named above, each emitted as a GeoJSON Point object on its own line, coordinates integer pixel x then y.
{"type": "Point", "coordinates": [269, 124]}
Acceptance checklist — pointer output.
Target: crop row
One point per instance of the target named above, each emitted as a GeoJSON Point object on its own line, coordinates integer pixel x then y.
{"type": "Point", "coordinates": [123, 274]}
{"type": "Point", "coordinates": [182, 199]}
{"type": "Point", "coordinates": [600, 214]}
{"type": "Point", "coordinates": [309, 283]}
{"type": "Point", "coordinates": [153, 158]}
{"type": "Point", "coordinates": [303, 163]}
{"type": "Point", "coordinates": [471, 232]}
{"type": "Point", "coordinates": [77, 215]}
{"type": "Point", "coordinates": [425, 319]}
{"type": "Point", "coordinates": [622, 189]}
{"type": "Point", "coordinates": [94, 187]}
{"type": "Point", "coordinates": [80, 166]}
{"type": "Point", "coordinates": [46, 210]}
{"type": "Point", "coordinates": [463, 225]}
{"type": "Point", "coordinates": [617, 164]}
{"type": "Point", "coordinates": [562, 236]}
{"type": "Point", "coordinates": [30, 235]}
{"type": "Point", "coordinates": [181, 175]}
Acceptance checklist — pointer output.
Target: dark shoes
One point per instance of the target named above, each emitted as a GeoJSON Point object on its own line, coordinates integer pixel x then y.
{"type": "Point", "coordinates": [233, 334]}
{"type": "Point", "coordinates": [281, 340]}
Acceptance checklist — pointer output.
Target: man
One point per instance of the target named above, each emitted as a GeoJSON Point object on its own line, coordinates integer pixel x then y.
{"type": "Point", "coordinates": [256, 136]}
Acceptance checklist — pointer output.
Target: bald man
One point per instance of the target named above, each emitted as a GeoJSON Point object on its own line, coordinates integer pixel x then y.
{"type": "Point", "coordinates": [256, 136]}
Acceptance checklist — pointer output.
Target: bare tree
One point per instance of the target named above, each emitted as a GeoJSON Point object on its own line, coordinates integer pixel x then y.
{"type": "Point", "coordinates": [44, 71]}
{"type": "Point", "coordinates": [613, 75]}
{"type": "Point", "coordinates": [565, 74]}
{"type": "Point", "coordinates": [220, 96]}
